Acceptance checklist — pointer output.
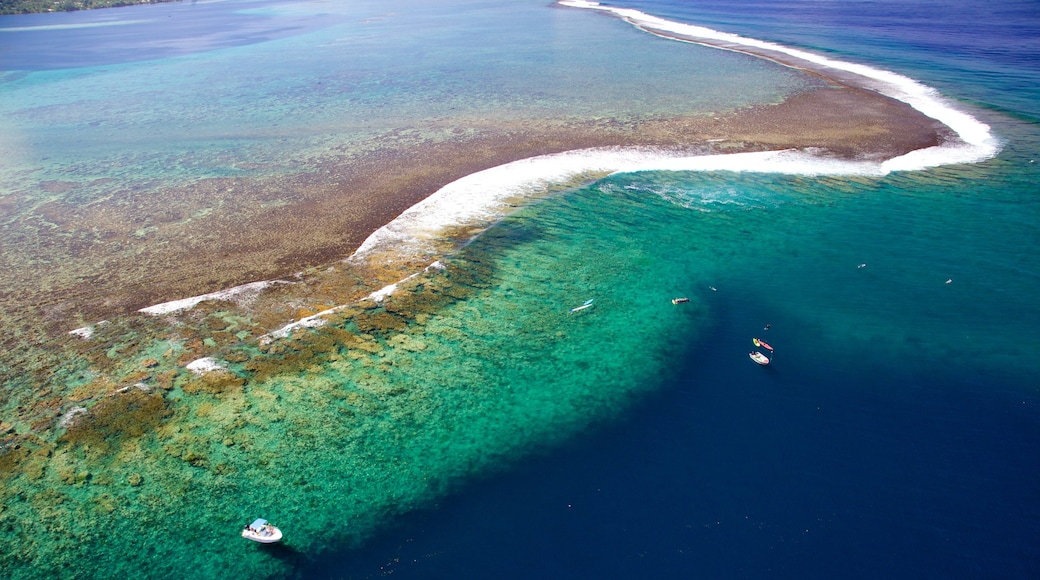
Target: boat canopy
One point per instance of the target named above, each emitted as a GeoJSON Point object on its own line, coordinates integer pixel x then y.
{"type": "Point", "coordinates": [259, 523]}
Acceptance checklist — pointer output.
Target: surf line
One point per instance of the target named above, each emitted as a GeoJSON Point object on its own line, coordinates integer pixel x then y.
{"type": "Point", "coordinates": [978, 142]}
{"type": "Point", "coordinates": [482, 198]}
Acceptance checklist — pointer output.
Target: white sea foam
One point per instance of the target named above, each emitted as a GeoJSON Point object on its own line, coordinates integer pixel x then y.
{"type": "Point", "coordinates": [480, 197]}
{"type": "Point", "coordinates": [312, 321]}
{"type": "Point", "coordinates": [70, 416]}
{"type": "Point", "coordinates": [204, 365]}
{"type": "Point", "coordinates": [385, 291]}
{"type": "Point", "coordinates": [238, 293]}
{"type": "Point", "coordinates": [484, 196]}
{"type": "Point", "coordinates": [83, 332]}
{"type": "Point", "coordinates": [978, 141]}
{"type": "Point", "coordinates": [87, 332]}
{"type": "Point", "coordinates": [382, 294]}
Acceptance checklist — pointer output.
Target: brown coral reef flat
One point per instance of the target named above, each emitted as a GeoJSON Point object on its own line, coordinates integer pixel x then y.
{"type": "Point", "coordinates": [103, 260]}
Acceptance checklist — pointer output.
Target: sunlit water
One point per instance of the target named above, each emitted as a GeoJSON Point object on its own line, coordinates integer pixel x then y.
{"type": "Point", "coordinates": [472, 425]}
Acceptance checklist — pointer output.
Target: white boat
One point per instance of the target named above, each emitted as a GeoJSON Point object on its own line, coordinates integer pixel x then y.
{"type": "Point", "coordinates": [759, 358]}
{"type": "Point", "coordinates": [262, 531]}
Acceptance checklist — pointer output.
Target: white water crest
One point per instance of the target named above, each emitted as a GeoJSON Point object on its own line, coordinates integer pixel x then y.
{"type": "Point", "coordinates": [483, 197]}
{"type": "Point", "coordinates": [978, 142]}
{"type": "Point", "coordinates": [87, 332]}
{"type": "Point", "coordinates": [241, 293]}
{"type": "Point", "coordinates": [486, 196]}
{"type": "Point", "coordinates": [204, 365]}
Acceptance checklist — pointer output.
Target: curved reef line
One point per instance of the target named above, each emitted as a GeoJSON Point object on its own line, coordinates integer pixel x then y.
{"type": "Point", "coordinates": [978, 142]}
{"type": "Point", "coordinates": [477, 200]}
{"type": "Point", "coordinates": [481, 196]}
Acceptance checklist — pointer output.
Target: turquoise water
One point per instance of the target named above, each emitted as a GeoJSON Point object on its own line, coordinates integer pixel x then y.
{"type": "Point", "coordinates": [366, 71]}
{"type": "Point", "coordinates": [890, 435]}
{"type": "Point", "coordinates": [472, 425]}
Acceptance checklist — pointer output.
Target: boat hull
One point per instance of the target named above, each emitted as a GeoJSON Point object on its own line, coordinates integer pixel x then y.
{"type": "Point", "coordinates": [759, 358]}
{"type": "Point", "coordinates": [268, 535]}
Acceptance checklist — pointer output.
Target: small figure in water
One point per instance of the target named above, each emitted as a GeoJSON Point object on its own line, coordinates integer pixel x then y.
{"type": "Point", "coordinates": [767, 326]}
{"type": "Point", "coordinates": [587, 304]}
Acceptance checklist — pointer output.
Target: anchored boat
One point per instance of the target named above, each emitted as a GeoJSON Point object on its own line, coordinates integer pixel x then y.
{"type": "Point", "coordinates": [759, 357]}
{"type": "Point", "coordinates": [262, 531]}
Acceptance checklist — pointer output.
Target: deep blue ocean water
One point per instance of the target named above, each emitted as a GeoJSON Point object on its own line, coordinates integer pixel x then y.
{"type": "Point", "coordinates": [850, 461]}
{"type": "Point", "coordinates": [894, 435]}
{"type": "Point", "coordinates": [968, 49]}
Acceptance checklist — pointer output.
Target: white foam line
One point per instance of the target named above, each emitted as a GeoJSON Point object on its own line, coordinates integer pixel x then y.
{"type": "Point", "coordinates": [385, 291]}
{"type": "Point", "coordinates": [83, 332]}
{"type": "Point", "coordinates": [316, 320]}
{"type": "Point", "coordinates": [237, 293]}
{"type": "Point", "coordinates": [482, 197]}
{"type": "Point", "coordinates": [204, 365]}
{"type": "Point", "coordinates": [312, 321]}
{"type": "Point", "coordinates": [979, 143]}
{"type": "Point", "coordinates": [87, 332]}
{"type": "Point", "coordinates": [70, 26]}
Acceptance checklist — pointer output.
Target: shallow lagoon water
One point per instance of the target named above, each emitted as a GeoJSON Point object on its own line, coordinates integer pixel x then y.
{"type": "Point", "coordinates": [892, 434]}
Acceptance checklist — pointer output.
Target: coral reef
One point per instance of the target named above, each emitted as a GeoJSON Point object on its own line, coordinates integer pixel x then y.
{"type": "Point", "coordinates": [127, 414]}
